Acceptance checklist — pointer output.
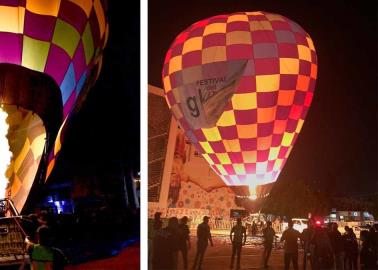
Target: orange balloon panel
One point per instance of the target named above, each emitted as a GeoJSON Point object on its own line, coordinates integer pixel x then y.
{"type": "Point", "coordinates": [26, 137]}
{"type": "Point", "coordinates": [240, 85]}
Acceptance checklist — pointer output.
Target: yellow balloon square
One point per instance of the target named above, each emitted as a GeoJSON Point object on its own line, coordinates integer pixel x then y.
{"type": "Point", "coordinates": [267, 83]}
{"type": "Point", "coordinates": [12, 19]}
{"type": "Point", "coordinates": [287, 139]}
{"type": "Point", "coordinates": [244, 101]}
{"type": "Point", "coordinates": [223, 158]}
{"type": "Point", "coordinates": [289, 66]}
{"type": "Point", "coordinates": [232, 145]}
{"type": "Point", "coordinates": [175, 64]}
{"type": "Point", "coordinates": [227, 119]}
{"type": "Point", "coordinates": [212, 134]}
{"type": "Point", "coordinates": [237, 18]}
{"type": "Point", "coordinates": [206, 147]}
{"type": "Point", "coordinates": [192, 44]}
{"type": "Point", "coordinates": [247, 131]}
{"type": "Point", "coordinates": [215, 28]}
{"type": "Point", "coordinates": [304, 53]}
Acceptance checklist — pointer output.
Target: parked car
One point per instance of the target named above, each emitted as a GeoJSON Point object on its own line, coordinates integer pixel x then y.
{"type": "Point", "coordinates": [357, 230]}
{"type": "Point", "coordinates": [299, 224]}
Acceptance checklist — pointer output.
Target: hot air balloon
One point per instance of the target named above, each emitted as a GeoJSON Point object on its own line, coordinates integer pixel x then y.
{"type": "Point", "coordinates": [240, 86]}
{"type": "Point", "coordinates": [50, 55]}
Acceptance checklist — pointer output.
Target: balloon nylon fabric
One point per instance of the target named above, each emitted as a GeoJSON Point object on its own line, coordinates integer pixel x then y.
{"type": "Point", "coordinates": [240, 85]}
{"type": "Point", "coordinates": [61, 38]}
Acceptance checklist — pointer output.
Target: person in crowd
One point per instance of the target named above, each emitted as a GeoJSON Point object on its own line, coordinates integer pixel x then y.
{"type": "Point", "coordinates": [337, 245]}
{"type": "Point", "coordinates": [351, 249]}
{"type": "Point", "coordinates": [373, 244]}
{"type": "Point", "coordinates": [276, 225]}
{"type": "Point", "coordinates": [43, 218]}
{"type": "Point", "coordinates": [306, 236]}
{"type": "Point", "coordinates": [254, 228]}
{"type": "Point", "coordinates": [158, 223]}
{"type": "Point", "coordinates": [368, 253]}
{"type": "Point", "coordinates": [322, 254]}
{"type": "Point", "coordinates": [31, 224]}
{"type": "Point", "coordinates": [366, 256]}
{"type": "Point", "coordinates": [165, 246]}
{"type": "Point", "coordinates": [203, 237]}
{"type": "Point", "coordinates": [268, 235]}
{"type": "Point", "coordinates": [184, 240]}
{"type": "Point", "coordinates": [261, 226]}
{"type": "Point", "coordinates": [43, 256]}
{"type": "Point", "coordinates": [290, 236]}
{"type": "Point", "coordinates": [238, 238]}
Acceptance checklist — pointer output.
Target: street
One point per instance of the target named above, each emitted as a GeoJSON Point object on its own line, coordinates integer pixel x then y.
{"type": "Point", "coordinates": [219, 256]}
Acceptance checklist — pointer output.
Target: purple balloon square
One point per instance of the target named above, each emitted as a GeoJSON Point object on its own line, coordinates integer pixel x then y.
{"type": "Point", "coordinates": [10, 48]}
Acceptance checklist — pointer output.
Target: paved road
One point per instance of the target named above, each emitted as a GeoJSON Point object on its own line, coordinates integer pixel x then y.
{"type": "Point", "coordinates": [219, 256]}
{"type": "Point", "coordinates": [127, 259]}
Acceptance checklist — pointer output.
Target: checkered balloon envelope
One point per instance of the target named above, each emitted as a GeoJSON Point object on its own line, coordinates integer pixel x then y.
{"type": "Point", "coordinates": [240, 85]}
{"type": "Point", "coordinates": [50, 56]}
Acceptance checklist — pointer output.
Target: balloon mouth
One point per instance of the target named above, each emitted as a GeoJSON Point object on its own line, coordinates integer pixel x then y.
{"type": "Point", "coordinates": [252, 191]}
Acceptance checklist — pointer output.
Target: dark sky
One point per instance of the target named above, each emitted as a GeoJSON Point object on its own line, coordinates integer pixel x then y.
{"type": "Point", "coordinates": [106, 129]}
{"type": "Point", "coordinates": [337, 147]}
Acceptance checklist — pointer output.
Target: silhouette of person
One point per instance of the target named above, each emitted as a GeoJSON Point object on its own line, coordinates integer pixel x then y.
{"type": "Point", "coordinates": [236, 235]}
{"type": "Point", "coordinates": [203, 237]}
{"type": "Point", "coordinates": [323, 256]}
{"type": "Point", "coordinates": [165, 248]}
{"type": "Point", "coordinates": [184, 240]}
{"type": "Point", "coordinates": [268, 236]}
{"type": "Point", "coordinates": [367, 253]}
{"type": "Point", "coordinates": [43, 255]}
{"type": "Point", "coordinates": [158, 223]}
{"type": "Point", "coordinates": [290, 236]}
{"type": "Point", "coordinates": [254, 228]}
{"type": "Point", "coordinates": [306, 236]}
{"type": "Point", "coordinates": [351, 249]}
{"type": "Point", "coordinates": [337, 245]}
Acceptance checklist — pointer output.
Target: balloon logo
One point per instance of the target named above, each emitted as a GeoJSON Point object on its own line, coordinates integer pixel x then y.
{"type": "Point", "coordinates": [240, 85]}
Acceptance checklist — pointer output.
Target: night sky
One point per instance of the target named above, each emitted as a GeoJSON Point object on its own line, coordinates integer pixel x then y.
{"type": "Point", "coordinates": [105, 131]}
{"type": "Point", "coordinates": [337, 147]}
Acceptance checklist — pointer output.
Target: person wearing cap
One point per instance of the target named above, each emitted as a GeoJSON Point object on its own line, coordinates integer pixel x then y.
{"type": "Point", "coordinates": [238, 238]}
{"type": "Point", "coordinates": [203, 237]}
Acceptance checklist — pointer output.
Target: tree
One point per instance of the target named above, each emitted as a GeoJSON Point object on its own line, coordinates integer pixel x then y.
{"type": "Point", "coordinates": [294, 198]}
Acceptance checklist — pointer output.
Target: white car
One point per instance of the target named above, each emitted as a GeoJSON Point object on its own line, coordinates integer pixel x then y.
{"type": "Point", "coordinates": [299, 224]}
{"type": "Point", "coordinates": [357, 230]}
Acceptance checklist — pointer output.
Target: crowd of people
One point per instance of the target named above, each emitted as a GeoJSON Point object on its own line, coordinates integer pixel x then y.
{"type": "Point", "coordinates": [327, 248]}
{"type": "Point", "coordinates": [324, 247]}
{"type": "Point", "coordinates": [54, 240]}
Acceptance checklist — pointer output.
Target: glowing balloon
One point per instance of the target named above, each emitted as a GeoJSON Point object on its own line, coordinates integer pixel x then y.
{"type": "Point", "coordinates": [240, 85]}
{"type": "Point", "coordinates": [50, 55]}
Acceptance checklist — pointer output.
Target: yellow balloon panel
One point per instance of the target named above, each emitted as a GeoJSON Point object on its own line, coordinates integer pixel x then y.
{"type": "Point", "coordinates": [26, 138]}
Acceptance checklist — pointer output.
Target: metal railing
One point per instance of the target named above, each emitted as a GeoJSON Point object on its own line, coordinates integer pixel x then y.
{"type": "Point", "coordinates": [12, 235]}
